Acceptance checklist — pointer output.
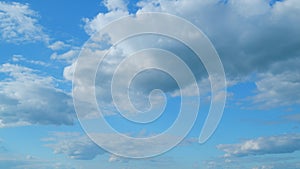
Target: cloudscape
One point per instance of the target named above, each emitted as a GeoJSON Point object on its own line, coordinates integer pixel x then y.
{"type": "Point", "coordinates": [67, 65]}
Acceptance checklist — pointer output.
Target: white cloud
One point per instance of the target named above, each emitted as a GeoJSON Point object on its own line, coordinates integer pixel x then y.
{"type": "Point", "coordinates": [278, 86]}
{"type": "Point", "coordinates": [29, 98]}
{"type": "Point", "coordinates": [143, 83]}
{"type": "Point", "coordinates": [264, 167]}
{"type": "Point", "coordinates": [18, 24]}
{"type": "Point", "coordinates": [251, 37]}
{"type": "Point", "coordinates": [114, 158]}
{"type": "Point", "coordinates": [254, 162]}
{"type": "Point", "coordinates": [279, 165]}
{"type": "Point", "coordinates": [102, 20]}
{"type": "Point", "coordinates": [116, 9]}
{"type": "Point", "coordinates": [74, 145]}
{"type": "Point", "coordinates": [280, 144]}
{"type": "Point", "coordinates": [113, 5]}
{"type": "Point", "coordinates": [80, 147]}
{"type": "Point", "coordinates": [68, 56]}
{"type": "Point", "coordinates": [277, 90]}
{"type": "Point", "coordinates": [58, 45]}
{"type": "Point", "coordinates": [21, 58]}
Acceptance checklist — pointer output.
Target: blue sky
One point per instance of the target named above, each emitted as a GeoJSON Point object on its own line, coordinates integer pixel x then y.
{"type": "Point", "coordinates": [258, 45]}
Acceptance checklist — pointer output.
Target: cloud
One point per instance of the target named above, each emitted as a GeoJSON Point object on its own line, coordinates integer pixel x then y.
{"type": "Point", "coordinates": [243, 47]}
{"type": "Point", "coordinates": [116, 9]}
{"type": "Point", "coordinates": [281, 165]}
{"type": "Point", "coordinates": [277, 90]}
{"type": "Point", "coordinates": [251, 37]}
{"type": "Point", "coordinates": [21, 58]}
{"type": "Point", "coordinates": [74, 145]}
{"type": "Point", "coordinates": [19, 24]}
{"type": "Point", "coordinates": [280, 144]}
{"type": "Point", "coordinates": [113, 159]}
{"type": "Point", "coordinates": [80, 147]}
{"type": "Point", "coordinates": [277, 86]}
{"type": "Point", "coordinates": [30, 98]}
{"type": "Point", "coordinates": [144, 82]}
{"type": "Point", "coordinates": [58, 45]}
{"type": "Point", "coordinates": [68, 56]}
{"type": "Point", "coordinates": [254, 162]}
{"type": "Point", "coordinates": [133, 148]}
{"type": "Point", "coordinates": [114, 5]}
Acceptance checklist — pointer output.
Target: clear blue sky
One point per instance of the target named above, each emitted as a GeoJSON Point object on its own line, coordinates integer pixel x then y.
{"type": "Point", "coordinates": [257, 41]}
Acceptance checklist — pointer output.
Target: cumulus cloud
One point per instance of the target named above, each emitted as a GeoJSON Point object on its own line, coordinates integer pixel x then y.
{"type": "Point", "coordinates": [280, 144]}
{"type": "Point", "coordinates": [144, 82]}
{"type": "Point", "coordinates": [74, 145]}
{"type": "Point", "coordinates": [243, 47]}
{"type": "Point", "coordinates": [30, 98]}
{"type": "Point", "coordinates": [116, 9]}
{"type": "Point", "coordinates": [18, 24]}
{"type": "Point", "coordinates": [251, 37]}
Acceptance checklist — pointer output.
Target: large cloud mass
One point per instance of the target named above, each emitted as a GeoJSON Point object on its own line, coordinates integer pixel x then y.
{"type": "Point", "coordinates": [257, 38]}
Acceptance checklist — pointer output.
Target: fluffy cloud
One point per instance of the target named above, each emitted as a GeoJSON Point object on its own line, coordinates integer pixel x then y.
{"type": "Point", "coordinates": [263, 145]}
{"type": "Point", "coordinates": [18, 23]}
{"type": "Point", "coordinates": [58, 45]}
{"type": "Point", "coordinates": [74, 146]}
{"type": "Point", "coordinates": [251, 37]}
{"type": "Point", "coordinates": [145, 81]}
{"type": "Point", "coordinates": [30, 98]}
{"type": "Point", "coordinates": [116, 9]}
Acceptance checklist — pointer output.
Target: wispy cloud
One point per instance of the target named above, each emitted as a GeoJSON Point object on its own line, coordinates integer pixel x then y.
{"type": "Point", "coordinates": [21, 58]}
{"type": "Point", "coordinates": [74, 145]}
{"type": "Point", "coordinates": [19, 24]}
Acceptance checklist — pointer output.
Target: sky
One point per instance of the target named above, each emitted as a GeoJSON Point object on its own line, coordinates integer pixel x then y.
{"type": "Point", "coordinates": [49, 50]}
